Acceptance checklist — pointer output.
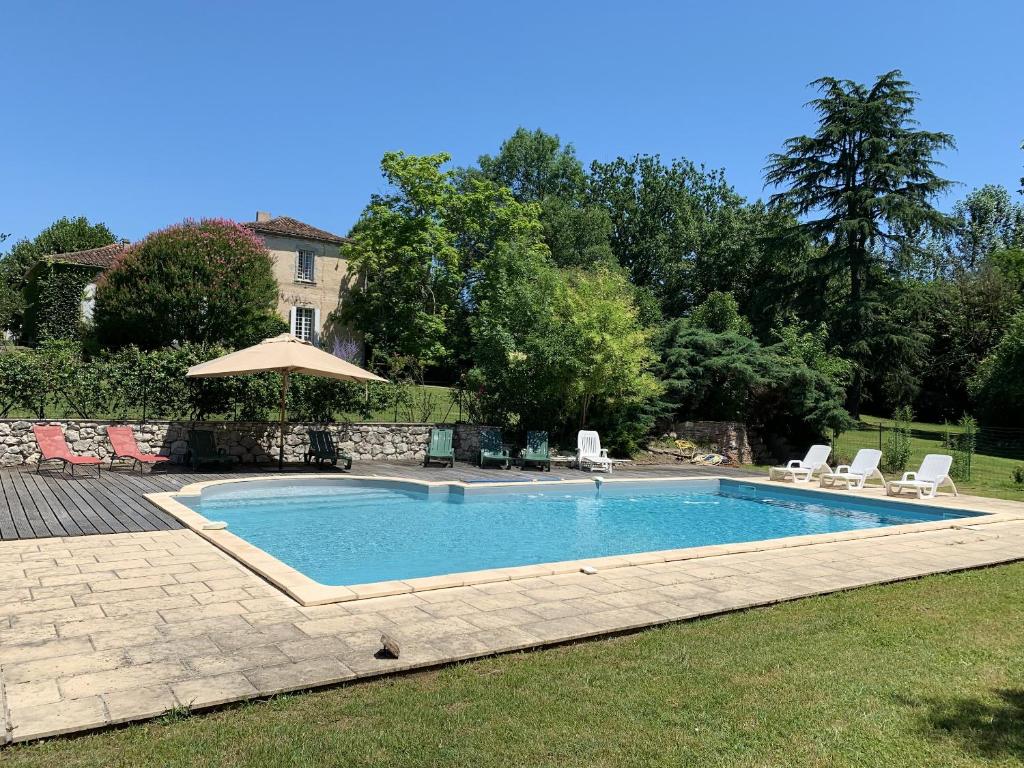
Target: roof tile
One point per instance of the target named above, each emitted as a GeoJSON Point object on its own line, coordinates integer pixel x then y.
{"type": "Point", "coordinates": [289, 227]}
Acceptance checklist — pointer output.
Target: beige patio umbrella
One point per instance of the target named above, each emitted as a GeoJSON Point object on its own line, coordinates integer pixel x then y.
{"type": "Point", "coordinates": [286, 355]}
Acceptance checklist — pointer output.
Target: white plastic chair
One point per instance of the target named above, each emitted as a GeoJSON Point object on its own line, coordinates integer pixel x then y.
{"type": "Point", "coordinates": [589, 453]}
{"type": "Point", "coordinates": [855, 474]}
{"type": "Point", "coordinates": [934, 472]}
{"type": "Point", "coordinates": [802, 470]}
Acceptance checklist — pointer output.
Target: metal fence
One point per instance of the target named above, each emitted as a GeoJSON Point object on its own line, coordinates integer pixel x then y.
{"type": "Point", "coordinates": [988, 458]}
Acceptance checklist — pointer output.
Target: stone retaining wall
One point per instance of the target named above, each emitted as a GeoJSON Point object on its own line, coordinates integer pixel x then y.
{"type": "Point", "coordinates": [250, 441]}
{"type": "Point", "coordinates": [727, 437]}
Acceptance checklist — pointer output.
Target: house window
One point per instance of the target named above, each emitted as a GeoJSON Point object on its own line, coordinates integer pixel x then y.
{"type": "Point", "coordinates": [305, 323]}
{"type": "Point", "coordinates": [304, 266]}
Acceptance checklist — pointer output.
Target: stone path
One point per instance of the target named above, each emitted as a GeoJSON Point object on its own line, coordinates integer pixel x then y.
{"type": "Point", "coordinates": [105, 629]}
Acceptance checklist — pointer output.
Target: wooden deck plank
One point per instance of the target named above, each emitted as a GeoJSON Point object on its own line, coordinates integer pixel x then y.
{"type": "Point", "coordinates": [30, 496]}
{"type": "Point", "coordinates": [8, 530]}
{"type": "Point", "coordinates": [82, 503]}
{"type": "Point", "coordinates": [75, 525]}
{"type": "Point", "coordinates": [25, 518]}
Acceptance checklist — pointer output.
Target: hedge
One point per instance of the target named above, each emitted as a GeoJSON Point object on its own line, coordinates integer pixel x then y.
{"type": "Point", "coordinates": [58, 380]}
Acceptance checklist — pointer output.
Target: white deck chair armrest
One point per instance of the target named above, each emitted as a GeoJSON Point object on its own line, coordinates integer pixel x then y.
{"type": "Point", "coordinates": [842, 468]}
{"type": "Point", "coordinates": [604, 453]}
{"type": "Point", "coordinates": [795, 464]}
{"type": "Point", "coordinates": [908, 476]}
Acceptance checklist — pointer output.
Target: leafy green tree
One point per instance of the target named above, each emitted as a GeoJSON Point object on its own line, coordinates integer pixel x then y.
{"type": "Point", "coordinates": [865, 180]}
{"type": "Point", "coordinates": [998, 387]}
{"type": "Point", "coordinates": [554, 348]}
{"type": "Point", "coordinates": [985, 221]}
{"type": "Point", "coordinates": [421, 249]}
{"type": "Point", "coordinates": [207, 282]}
{"type": "Point", "coordinates": [681, 231]}
{"type": "Point", "coordinates": [610, 351]}
{"type": "Point", "coordinates": [964, 318]}
{"type": "Point", "coordinates": [538, 168]}
{"type": "Point", "coordinates": [65, 235]}
{"type": "Point", "coordinates": [536, 165]}
{"type": "Point", "coordinates": [654, 216]}
{"type": "Point", "coordinates": [720, 313]}
{"type": "Point", "coordinates": [577, 235]}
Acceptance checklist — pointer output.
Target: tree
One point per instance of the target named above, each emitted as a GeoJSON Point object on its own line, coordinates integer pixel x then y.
{"type": "Point", "coordinates": [538, 168]}
{"type": "Point", "coordinates": [793, 388]}
{"type": "Point", "coordinates": [65, 235]}
{"type": "Point", "coordinates": [998, 387]}
{"type": "Point", "coordinates": [421, 249]}
{"type": "Point", "coordinates": [610, 351]}
{"type": "Point", "coordinates": [985, 221]}
{"type": "Point", "coordinates": [535, 165]}
{"type": "Point", "coordinates": [206, 282]}
{"type": "Point", "coordinates": [865, 179]}
{"type": "Point", "coordinates": [679, 230]}
{"type": "Point", "coordinates": [554, 347]}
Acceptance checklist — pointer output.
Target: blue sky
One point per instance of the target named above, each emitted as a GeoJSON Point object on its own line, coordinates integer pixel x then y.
{"type": "Point", "coordinates": [140, 114]}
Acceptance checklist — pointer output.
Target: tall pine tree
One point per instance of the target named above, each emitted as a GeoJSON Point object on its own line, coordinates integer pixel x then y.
{"type": "Point", "coordinates": [860, 184]}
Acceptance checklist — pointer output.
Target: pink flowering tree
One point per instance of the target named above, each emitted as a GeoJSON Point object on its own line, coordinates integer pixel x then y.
{"type": "Point", "coordinates": [208, 282]}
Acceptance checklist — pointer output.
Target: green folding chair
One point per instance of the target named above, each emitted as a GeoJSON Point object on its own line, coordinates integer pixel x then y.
{"type": "Point", "coordinates": [440, 447]}
{"type": "Point", "coordinates": [491, 449]}
{"type": "Point", "coordinates": [536, 453]}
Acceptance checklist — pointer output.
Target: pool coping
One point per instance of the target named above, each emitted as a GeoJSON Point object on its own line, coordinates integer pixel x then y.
{"type": "Point", "coordinates": [308, 592]}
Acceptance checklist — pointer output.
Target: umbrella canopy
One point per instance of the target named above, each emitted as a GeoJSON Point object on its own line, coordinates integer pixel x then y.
{"type": "Point", "coordinates": [282, 353]}
{"type": "Point", "coordinates": [286, 355]}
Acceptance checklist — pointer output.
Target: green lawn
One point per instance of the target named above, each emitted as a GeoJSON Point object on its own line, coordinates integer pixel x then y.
{"type": "Point", "coordinates": [923, 673]}
{"type": "Point", "coordinates": [991, 473]}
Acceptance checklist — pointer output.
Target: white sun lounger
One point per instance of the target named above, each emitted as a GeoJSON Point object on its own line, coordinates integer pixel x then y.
{"type": "Point", "coordinates": [590, 455]}
{"type": "Point", "coordinates": [855, 474]}
{"type": "Point", "coordinates": [802, 470]}
{"type": "Point", "coordinates": [934, 472]}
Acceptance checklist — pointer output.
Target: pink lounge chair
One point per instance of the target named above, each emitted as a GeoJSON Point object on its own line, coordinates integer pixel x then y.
{"type": "Point", "coordinates": [54, 447]}
{"type": "Point", "coordinates": [122, 440]}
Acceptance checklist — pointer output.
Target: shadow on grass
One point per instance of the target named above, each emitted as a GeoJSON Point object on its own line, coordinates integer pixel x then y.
{"type": "Point", "coordinates": [982, 728]}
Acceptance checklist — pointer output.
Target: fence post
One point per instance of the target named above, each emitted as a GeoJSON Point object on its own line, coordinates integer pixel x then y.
{"type": "Point", "coordinates": [880, 428]}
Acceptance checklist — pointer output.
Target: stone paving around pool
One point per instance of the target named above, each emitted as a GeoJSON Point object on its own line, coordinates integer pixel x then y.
{"type": "Point", "coordinates": [106, 629]}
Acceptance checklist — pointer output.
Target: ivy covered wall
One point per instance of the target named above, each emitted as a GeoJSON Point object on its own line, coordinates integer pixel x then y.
{"type": "Point", "coordinates": [53, 299]}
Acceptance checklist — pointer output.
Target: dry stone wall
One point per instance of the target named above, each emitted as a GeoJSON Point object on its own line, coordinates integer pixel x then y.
{"type": "Point", "coordinates": [249, 441]}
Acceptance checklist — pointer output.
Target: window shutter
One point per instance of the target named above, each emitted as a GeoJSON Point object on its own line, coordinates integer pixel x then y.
{"type": "Point", "coordinates": [316, 326]}
{"type": "Point", "coordinates": [291, 321]}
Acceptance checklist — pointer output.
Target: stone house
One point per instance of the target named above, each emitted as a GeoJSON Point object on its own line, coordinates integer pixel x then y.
{"type": "Point", "coordinates": [312, 276]}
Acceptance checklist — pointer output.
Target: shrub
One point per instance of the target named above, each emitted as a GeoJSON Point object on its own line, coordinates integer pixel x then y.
{"type": "Point", "coordinates": [1018, 474]}
{"type": "Point", "coordinates": [897, 451]}
{"type": "Point", "coordinates": [206, 282]}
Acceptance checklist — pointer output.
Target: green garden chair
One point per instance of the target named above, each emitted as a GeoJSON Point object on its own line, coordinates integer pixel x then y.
{"type": "Point", "coordinates": [322, 448]}
{"type": "Point", "coordinates": [491, 449]}
{"type": "Point", "coordinates": [203, 449]}
{"type": "Point", "coordinates": [440, 447]}
{"type": "Point", "coordinates": [536, 453]}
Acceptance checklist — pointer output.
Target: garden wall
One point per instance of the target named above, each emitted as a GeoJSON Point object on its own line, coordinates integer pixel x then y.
{"type": "Point", "coordinates": [250, 441]}
{"type": "Point", "coordinates": [729, 437]}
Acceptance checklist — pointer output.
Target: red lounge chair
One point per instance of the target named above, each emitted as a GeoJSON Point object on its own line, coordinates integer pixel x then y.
{"type": "Point", "coordinates": [122, 440]}
{"type": "Point", "coordinates": [53, 447]}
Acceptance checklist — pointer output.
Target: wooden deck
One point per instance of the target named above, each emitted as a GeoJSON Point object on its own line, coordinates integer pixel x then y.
{"type": "Point", "coordinates": [54, 504]}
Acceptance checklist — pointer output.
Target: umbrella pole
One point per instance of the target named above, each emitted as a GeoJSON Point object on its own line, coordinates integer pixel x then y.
{"type": "Point", "coordinates": [284, 395]}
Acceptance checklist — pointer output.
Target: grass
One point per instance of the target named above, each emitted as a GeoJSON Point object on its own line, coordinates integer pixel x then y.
{"type": "Point", "coordinates": [991, 474]}
{"type": "Point", "coordinates": [922, 673]}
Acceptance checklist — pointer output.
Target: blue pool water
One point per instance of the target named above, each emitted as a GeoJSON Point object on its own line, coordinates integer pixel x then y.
{"type": "Point", "coordinates": [354, 532]}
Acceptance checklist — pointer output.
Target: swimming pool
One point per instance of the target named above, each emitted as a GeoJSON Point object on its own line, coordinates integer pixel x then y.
{"type": "Point", "coordinates": [359, 531]}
